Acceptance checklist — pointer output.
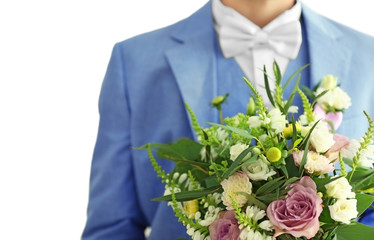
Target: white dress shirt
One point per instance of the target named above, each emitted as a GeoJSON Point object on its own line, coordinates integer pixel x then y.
{"type": "Point", "coordinates": [234, 30]}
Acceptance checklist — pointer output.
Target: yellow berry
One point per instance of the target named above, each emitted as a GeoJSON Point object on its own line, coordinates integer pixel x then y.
{"type": "Point", "coordinates": [273, 154]}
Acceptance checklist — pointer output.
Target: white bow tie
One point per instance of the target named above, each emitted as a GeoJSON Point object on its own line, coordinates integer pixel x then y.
{"type": "Point", "coordinates": [285, 39]}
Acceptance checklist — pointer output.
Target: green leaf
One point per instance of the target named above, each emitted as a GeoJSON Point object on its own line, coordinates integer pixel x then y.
{"type": "Point", "coordinates": [267, 87]}
{"type": "Point", "coordinates": [321, 182]}
{"type": "Point", "coordinates": [189, 195]}
{"type": "Point", "coordinates": [325, 216]}
{"type": "Point", "coordinates": [239, 131]}
{"type": "Point", "coordinates": [362, 179]}
{"type": "Point", "coordinates": [277, 73]}
{"type": "Point", "coordinates": [185, 149]}
{"type": "Point", "coordinates": [293, 171]}
{"type": "Point", "coordinates": [292, 95]}
{"type": "Point", "coordinates": [363, 202]}
{"type": "Point", "coordinates": [294, 74]}
{"type": "Point", "coordinates": [235, 165]}
{"type": "Point", "coordinates": [304, 160]}
{"type": "Point", "coordinates": [270, 186]}
{"type": "Point", "coordinates": [355, 231]}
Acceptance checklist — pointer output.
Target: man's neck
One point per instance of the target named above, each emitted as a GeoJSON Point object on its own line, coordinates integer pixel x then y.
{"type": "Point", "coordinates": [260, 12]}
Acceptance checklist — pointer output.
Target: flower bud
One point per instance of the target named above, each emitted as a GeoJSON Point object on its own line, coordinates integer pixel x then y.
{"type": "Point", "coordinates": [288, 131]}
{"type": "Point", "coordinates": [273, 154]}
{"type": "Point", "coordinates": [256, 151]}
{"type": "Point", "coordinates": [251, 107]}
{"type": "Point", "coordinates": [218, 100]}
{"type": "Point", "coordinates": [329, 82]}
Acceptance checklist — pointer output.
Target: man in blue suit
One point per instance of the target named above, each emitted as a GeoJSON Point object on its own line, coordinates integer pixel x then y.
{"type": "Point", "coordinates": [151, 76]}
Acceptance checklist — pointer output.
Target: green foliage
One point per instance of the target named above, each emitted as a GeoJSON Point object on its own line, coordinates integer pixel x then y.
{"type": "Point", "coordinates": [182, 217]}
{"type": "Point", "coordinates": [355, 231]}
{"type": "Point", "coordinates": [195, 124]}
{"type": "Point", "coordinates": [189, 195]}
{"type": "Point", "coordinates": [259, 101]}
{"type": "Point", "coordinates": [156, 167]}
{"type": "Point", "coordinates": [367, 139]}
{"type": "Point", "coordinates": [308, 109]}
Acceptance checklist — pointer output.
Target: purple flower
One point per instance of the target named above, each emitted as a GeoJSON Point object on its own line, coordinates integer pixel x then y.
{"type": "Point", "coordinates": [298, 213]}
{"type": "Point", "coordinates": [225, 228]}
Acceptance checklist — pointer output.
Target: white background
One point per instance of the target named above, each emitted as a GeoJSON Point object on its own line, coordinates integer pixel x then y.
{"type": "Point", "coordinates": [53, 56]}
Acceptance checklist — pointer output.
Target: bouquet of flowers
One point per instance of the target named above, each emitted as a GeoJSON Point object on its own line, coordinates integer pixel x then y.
{"type": "Point", "coordinates": [265, 175]}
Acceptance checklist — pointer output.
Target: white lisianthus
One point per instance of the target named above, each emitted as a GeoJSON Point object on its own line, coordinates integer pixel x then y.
{"type": "Point", "coordinates": [344, 210]}
{"type": "Point", "coordinates": [239, 182]}
{"type": "Point", "coordinates": [258, 170]}
{"type": "Point", "coordinates": [316, 163]}
{"type": "Point", "coordinates": [277, 120]}
{"type": "Point", "coordinates": [254, 122]}
{"type": "Point", "coordinates": [329, 82]}
{"type": "Point", "coordinates": [321, 138]}
{"type": "Point", "coordinates": [340, 189]}
{"type": "Point", "coordinates": [237, 149]}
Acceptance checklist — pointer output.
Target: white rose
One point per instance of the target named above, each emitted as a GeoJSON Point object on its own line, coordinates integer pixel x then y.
{"type": "Point", "coordinates": [254, 122]}
{"type": "Point", "coordinates": [340, 189]}
{"type": "Point", "coordinates": [321, 138]}
{"type": "Point", "coordinates": [237, 149]}
{"type": "Point", "coordinates": [329, 82]}
{"type": "Point", "coordinates": [344, 210]}
{"type": "Point", "coordinates": [258, 170]}
{"type": "Point", "coordinates": [326, 99]}
{"type": "Point", "coordinates": [341, 100]}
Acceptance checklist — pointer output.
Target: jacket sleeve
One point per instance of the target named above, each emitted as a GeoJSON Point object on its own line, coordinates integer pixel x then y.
{"type": "Point", "coordinates": [113, 210]}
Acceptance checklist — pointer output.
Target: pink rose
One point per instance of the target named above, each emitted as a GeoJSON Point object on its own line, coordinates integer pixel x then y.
{"type": "Point", "coordinates": [225, 228]}
{"type": "Point", "coordinates": [336, 118]}
{"type": "Point", "coordinates": [340, 143]}
{"type": "Point", "coordinates": [298, 213]}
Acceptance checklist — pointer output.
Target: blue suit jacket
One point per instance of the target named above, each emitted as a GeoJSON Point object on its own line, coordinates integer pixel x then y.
{"type": "Point", "coordinates": [149, 78]}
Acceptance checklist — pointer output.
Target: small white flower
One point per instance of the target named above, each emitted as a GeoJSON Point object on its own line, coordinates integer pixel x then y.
{"type": "Point", "coordinates": [249, 234]}
{"type": "Point", "coordinates": [258, 170]}
{"type": "Point", "coordinates": [293, 109]}
{"type": "Point", "coordinates": [254, 122]}
{"type": "Point", "coordinates": [340, 189]}
{"type": "Point", "coordinates": [237, 149]}
{"type": "Point", "coordinates": [266, 225]}
{"type": "Point", "coordinates": [344, 210]}
{"type": "Point", "coordinates": [277, 119]}
{"type": "Point", "coordinates": [321, 138]}
{"type": "Point", "coordinates": [210, 216]}
{"type": "Point", "coordinates": [255, 213]}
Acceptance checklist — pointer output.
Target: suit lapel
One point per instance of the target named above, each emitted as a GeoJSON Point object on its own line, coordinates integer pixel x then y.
{"type": "Point", "coordinates": [327, 54]}
{"type": "Point", "coordinates": [193, 63]}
